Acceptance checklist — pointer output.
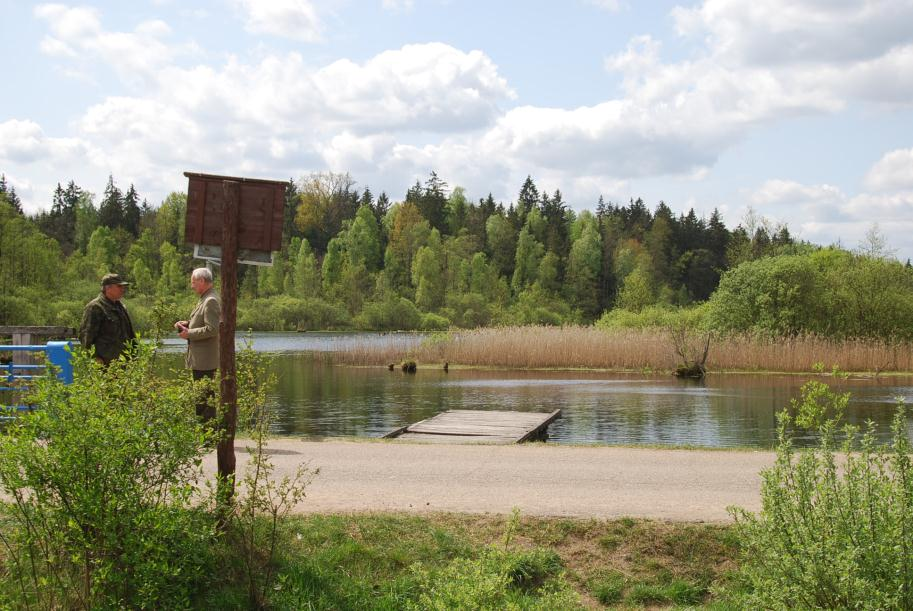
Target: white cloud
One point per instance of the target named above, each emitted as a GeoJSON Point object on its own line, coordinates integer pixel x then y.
{"type": "Point", "coordinates": [824, 214]}
{"type": "Point", "coordinates": [772, 32]}
{"type": "Point", "coordinates": [418, 87]}
{"type": "Point", "coordinates": [811, 203]}
{"type": "Point", "coordinates": [295, 19]}
{"type": "Point", "coordinates": [24, 142]}
{"type": "Point", "coordinates": [77, 33]}
{"type": "Point", "coordinates": [839, 48]}
{"type": "Point", "coordinates": [894, 171]}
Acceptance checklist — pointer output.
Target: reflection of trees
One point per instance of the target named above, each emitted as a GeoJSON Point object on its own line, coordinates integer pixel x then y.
{"type": "Point", "coordinates": [318, 399]}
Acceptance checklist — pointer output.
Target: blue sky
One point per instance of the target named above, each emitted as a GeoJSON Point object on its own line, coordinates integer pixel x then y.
{"type": "Point", "coordinates": [801, 110]}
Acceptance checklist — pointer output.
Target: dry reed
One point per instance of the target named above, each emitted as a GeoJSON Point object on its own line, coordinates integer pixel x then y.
{"type": "Point", "coordinates": [539, 347]}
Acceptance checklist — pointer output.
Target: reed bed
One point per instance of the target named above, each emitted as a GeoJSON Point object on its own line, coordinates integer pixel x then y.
{"type": "Point", "coordinates": [571, 347]}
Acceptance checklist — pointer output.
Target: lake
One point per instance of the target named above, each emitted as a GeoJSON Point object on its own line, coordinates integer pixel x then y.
{"type": "Point", "coordinates": [315, 399]}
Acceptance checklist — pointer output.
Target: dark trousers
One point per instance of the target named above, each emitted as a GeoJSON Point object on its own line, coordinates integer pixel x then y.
{"type": "Point", "coordinates": [206, 411]}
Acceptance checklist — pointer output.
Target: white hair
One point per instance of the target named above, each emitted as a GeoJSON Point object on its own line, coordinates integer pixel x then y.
{"type": "Point", "coordinates": [202, 273]}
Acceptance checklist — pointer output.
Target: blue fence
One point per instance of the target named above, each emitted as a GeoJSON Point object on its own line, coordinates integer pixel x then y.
{"type": "Point", "coordinates": [16, 377]}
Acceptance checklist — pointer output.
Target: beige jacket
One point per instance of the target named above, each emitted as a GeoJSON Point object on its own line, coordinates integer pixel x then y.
{"type": "Point", "coordinates": [203, 333]}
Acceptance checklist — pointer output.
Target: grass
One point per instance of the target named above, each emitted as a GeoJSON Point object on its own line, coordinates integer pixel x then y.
{"type": "Point", "coordinates": [397, 561]}
{"type": "Point", "coordinates": [539, 347]}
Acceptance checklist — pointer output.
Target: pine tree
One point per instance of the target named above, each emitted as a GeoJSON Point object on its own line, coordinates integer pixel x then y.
{"type": "Point", "coordinates": [432, 202]}
{"type": "Point", "coordinates": [381, 207]}
{"type": "Point", "coordinates": [111, 209]}
{"type": "Point", "coordinates": [527, 199]}
{"type": "Point", "coordinates": [557, 230]}
{"type": "Point", "coordinates": [131, 211]}
{"type": "Point", "coordinates": [289, 209]}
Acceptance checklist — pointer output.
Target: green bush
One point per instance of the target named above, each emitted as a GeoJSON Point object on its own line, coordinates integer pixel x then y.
{"type": "Point", "coordinates": [835, 534]}
{"type": "Point", "coordinates": [392, 314]}
{"type": "Point", "coordinates": [433, 322]}
{"type": "Point", "coordinates": [469, 310]}
{"type": "Point", "coordinates": [535, 306]}
{"type": "Point", "coordinates": [829, 292]}
{"type": "Point", "coordinates": [653, 317]}
{"type": "Point", "coordinates": [284, 313]}
{"type": "Point", "coordinates": [99, 479]}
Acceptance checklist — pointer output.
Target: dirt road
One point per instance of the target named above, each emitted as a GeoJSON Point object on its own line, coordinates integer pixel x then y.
{"type": "Point", "coordinates": [539, 479]}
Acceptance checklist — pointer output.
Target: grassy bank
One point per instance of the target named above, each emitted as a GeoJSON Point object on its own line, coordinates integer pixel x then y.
{"type": "Point", "coordinates": [634, 349]}
{"type": "Point", "coordinates": [395, 561]}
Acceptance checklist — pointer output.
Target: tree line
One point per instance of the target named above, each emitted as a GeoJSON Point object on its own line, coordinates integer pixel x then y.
{"type": "Point", "coordinates": [350, 259]}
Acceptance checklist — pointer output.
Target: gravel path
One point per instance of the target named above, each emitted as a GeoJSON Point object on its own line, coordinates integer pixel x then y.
{"type": "Point", "coordinates": [539, 479]}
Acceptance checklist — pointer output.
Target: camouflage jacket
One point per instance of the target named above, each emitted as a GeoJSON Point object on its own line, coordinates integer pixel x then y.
{"type": "Point", "coordinates": [106, 327]}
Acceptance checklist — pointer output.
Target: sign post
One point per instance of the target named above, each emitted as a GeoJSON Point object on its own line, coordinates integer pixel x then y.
{"type": "Point", "coordinates": [225, 454]}
{"type": "Point", "coordinates": [232, 218]}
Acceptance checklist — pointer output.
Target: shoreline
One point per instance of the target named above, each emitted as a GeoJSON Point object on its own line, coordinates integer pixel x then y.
{"type": "Point", "coordinates": [843, 375]}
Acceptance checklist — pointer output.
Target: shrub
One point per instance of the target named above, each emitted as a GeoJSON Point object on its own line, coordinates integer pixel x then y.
{"type": "Point", "coordinates": [536, 306]}
{"type": "Point", "coordinates": [831, 533]}
{"type": "Point", "coordinates": [394, 313]}
{"type": "Point", "coordinates": [100, 478]}
{"type": "Point", "coordinates": [284, 313]}
{"type": "Point", "coordinates": [433, 322]}
{"type": "Point", "coordinates": [653, 317]}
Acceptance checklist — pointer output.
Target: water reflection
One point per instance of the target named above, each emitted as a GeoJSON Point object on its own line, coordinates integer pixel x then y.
{"type": "Point", "coordinates": [316, 399]}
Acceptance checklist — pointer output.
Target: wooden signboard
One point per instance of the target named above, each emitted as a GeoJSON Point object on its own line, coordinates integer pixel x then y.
{"type": "Point", "coordinates": [234, 215]}
{"type": "Point", "coordinates": [260, 212]}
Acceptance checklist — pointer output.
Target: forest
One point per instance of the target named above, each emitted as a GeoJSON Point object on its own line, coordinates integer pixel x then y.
{"type": "Point", "coordinates": [437, 259]}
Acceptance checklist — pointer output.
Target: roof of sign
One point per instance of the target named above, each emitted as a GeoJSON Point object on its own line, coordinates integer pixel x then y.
{"type": "Point", "coordinates": [234, 178]}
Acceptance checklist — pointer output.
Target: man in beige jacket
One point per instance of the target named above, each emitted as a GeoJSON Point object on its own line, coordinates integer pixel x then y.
{"type": "Point", "coordinates": [202, 335]}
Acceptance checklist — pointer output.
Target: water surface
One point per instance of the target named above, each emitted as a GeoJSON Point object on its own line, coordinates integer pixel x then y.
{"type": "Point", "coordinates": [313, 398]}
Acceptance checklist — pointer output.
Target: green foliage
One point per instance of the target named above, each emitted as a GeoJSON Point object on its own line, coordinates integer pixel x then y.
{"type": "Point", "coordinates": [536, 307]}
{"type": "Point", "coordinates": [433, 322]}
{"type": "Point", "coordinates": [829, 292]}
{"type": "Point", "coordinates": [583, 269]}
{"type": "Point", "coordinates": [100, 479]}
{"type": "Point", "coordinates": [173, 279]}
{"type": "Point", "coordinates": [654, 317]}
{"type": "Point", "coordinates": [392, 314]}
{"type": "Point", "coordinates": [832, 533]}
{"type": "Point", "coordinates": [264, 501]}
{"type": "Point", "coordinates": [29, 258]}
{"type": "Point", "coordinates": [526, 263]}
{"type": "Point", "coordinates": [469, 310]}
{"type": "Point", "coordinates": [428, 279]}
{"type": "Point", "coordinates": [441, 253]}
{"type": "Point", "coordinates": [637, 290]}
{"type": "Point", "coordinates": [284, 313]}
{"type": "Point", "coordinates": [306, 277]}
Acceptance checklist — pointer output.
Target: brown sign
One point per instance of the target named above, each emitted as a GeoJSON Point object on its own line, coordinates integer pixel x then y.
{"type": "Point", "coordinates": [260, 212]}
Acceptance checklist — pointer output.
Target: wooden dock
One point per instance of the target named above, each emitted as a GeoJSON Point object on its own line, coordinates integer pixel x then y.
{"type": "Point", "coordinates": [478, 426]}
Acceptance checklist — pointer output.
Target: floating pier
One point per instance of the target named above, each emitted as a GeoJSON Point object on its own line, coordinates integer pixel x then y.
{"type": "Point", "coordinates": [479, 426]}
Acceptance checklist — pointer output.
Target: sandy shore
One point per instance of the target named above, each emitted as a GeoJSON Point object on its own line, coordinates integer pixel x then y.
{"type": "Point", "coordinates": [539, 479]}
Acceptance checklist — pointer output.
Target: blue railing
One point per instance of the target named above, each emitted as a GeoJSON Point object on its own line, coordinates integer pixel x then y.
{"type": "Point", "coordinates": [15, 377]}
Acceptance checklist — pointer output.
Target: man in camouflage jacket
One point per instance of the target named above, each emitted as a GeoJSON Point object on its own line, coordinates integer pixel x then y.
{"type": "Point", "coordinates": [106, 327]}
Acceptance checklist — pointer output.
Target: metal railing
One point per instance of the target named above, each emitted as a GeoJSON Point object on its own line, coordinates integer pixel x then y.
{"type": "Point", "coordinates": [15, 377]}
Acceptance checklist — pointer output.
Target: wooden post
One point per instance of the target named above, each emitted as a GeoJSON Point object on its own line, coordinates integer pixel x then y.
{"type": "Point", "coordinates": [229, 387]}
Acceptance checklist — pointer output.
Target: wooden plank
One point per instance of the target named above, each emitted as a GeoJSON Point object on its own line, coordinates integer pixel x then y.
{"type": "Point", "coordinates": [477, 426]}
{"type": "Point", "coordinates": [469, 427]}
{"type": "Point", "coordinates": [395, 432]}
{"type": "Point", "coordinates": [536, 431]}
{"type": "Point", "coordinates": [456, 438]}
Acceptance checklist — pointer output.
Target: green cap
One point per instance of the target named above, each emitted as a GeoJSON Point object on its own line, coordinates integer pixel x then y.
{"type": "Point", "coordinates": [113, 279]}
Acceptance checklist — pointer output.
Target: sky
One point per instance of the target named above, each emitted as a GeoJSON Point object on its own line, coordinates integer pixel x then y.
{"type": "Point", "coordinates": [798, 110]}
